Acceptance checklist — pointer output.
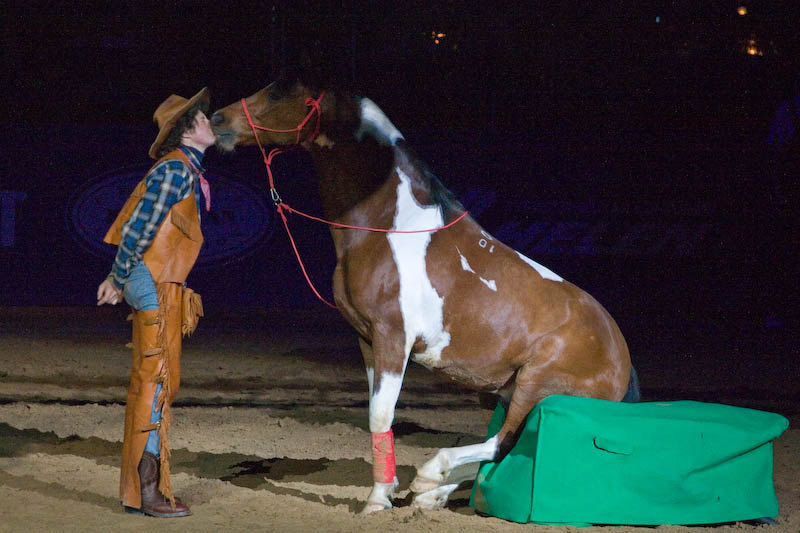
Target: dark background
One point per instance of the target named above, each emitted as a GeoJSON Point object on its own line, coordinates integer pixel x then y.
{"type": "Point", "coordinates": [645, 151]}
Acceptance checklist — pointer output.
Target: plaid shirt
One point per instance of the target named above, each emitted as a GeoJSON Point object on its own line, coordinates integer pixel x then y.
{"type": "Point", "coordinates": [167, 184]}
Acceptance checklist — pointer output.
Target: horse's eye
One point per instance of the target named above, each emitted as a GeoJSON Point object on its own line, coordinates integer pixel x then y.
{"type": "Point", "coordinates": [274, 95]}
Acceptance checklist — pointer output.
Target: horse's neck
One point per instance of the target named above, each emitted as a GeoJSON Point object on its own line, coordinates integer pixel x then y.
{"type": "Point", "coordinates": [351, 173]}
{"type": "Point", "coordinates": [357, 157]}
{"type": "Point", "coordinates": [359, 160]}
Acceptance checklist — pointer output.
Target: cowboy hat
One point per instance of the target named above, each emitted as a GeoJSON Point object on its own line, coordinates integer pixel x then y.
{"type": "Point", "coordinates": [168, 113]}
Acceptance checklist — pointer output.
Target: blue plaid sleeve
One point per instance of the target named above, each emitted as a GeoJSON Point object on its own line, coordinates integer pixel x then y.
{"type": "Point", "coordinates": [168, 183]}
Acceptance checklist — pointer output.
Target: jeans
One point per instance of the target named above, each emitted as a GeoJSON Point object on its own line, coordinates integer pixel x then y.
{"type": "Point", "coordinates": [140, 290]}
{"type": "Point", "coordinates": [140, 293]}
{"type": "Point", "coordinates": [153, 439]}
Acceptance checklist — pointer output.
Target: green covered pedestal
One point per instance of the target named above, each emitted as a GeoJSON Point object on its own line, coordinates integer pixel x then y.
{"type": "Point", "coordinates": [587, 461]}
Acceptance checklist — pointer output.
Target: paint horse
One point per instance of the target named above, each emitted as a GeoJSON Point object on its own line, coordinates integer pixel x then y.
{"type": "Point", "coordinates": [455, 300]}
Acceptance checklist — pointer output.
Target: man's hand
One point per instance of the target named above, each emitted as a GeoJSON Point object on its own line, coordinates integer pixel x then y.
{"type": "Point", "coordinates": [108, 293]}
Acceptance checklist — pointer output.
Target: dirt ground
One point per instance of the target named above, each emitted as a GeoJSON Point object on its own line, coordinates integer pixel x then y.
{"type": "Point", "coordinates": [270, 429]}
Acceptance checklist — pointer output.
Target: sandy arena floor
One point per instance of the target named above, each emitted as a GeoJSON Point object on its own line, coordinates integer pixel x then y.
{"type": "Point", "coordinates": [270, 429]}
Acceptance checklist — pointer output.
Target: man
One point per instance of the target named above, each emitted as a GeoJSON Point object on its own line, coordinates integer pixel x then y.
{"type": "Point", "coordinates": [158, 237]}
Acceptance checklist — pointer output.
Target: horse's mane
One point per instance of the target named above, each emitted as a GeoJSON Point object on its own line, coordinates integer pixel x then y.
{"type": "Point", "coordinates": [439, 194]}
{"type": "Point", "coordinates": [345, 120]}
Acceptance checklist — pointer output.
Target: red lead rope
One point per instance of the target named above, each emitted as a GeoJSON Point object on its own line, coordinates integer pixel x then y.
{"type": "Point", "coordinates": [281, 206]}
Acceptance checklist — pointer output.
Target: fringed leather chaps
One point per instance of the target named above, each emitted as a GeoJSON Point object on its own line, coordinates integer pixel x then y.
{"type": "Point", "coordinates": [156, 359]}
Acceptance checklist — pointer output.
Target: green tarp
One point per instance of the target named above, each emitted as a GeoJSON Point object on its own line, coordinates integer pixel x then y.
{"type": "Point", "coordinates": [587, 461]}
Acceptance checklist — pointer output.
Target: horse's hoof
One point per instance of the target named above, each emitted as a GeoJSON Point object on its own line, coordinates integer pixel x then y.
{"type": "Point", "coordinates": [373, 507]}
{"type": "Point", "coordinates": [433, 499]}
{"type": "Point", "coordinates": [423, 484]}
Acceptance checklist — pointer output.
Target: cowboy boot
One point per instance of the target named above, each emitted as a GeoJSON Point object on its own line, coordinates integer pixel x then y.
{"type": "Point", "coordinates": [145, 368]}
{"type": "Point", "coordinates": [153, 502]}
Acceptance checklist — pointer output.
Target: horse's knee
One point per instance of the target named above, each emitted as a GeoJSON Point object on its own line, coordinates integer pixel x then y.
{"type": "Point", "coordinates": [383, 400]}
{"type": "Point", "coordinates": [381, 414]}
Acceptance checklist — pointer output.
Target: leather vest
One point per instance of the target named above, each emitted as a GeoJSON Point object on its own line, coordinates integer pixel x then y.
{"type": "Point", "coordinates": [177, 241]}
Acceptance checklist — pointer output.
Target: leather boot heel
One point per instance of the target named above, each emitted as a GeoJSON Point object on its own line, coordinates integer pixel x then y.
{"type": "Point", "coordinates": [153, 502]}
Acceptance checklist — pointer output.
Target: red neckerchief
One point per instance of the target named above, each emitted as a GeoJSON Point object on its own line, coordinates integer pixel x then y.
{"type": "Point", "coordinates": [204, 186]}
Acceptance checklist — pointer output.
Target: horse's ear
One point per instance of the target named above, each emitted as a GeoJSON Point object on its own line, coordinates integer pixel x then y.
{"type": "Point", "coordinates": [311, 69]}
{"type": "Point", "coordinates": [316, 64]}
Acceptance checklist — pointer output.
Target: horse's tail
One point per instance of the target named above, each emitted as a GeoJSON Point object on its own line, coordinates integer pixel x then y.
{"type": "Point", "coordinates": [633, 393]}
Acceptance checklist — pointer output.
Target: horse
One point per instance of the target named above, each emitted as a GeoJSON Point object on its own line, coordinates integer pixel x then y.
{"type": "Point", "coordinates": [436, 288]}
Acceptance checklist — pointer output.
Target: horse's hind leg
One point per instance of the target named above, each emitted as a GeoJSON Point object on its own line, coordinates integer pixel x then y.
{"type": "Point", "coordinates": [436, 479]}
{"type": "Point", "coordinates": [385, 379]}
{"type": "Point", "coordinates": [440, 476]}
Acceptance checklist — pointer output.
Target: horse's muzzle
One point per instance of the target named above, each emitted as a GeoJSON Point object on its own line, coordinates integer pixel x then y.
{"type": "Point", "coordinates": [226, 140]}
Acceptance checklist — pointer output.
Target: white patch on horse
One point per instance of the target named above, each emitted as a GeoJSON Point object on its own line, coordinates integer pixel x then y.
{"type": "Point", "coordinates": [370, 377]}
{"type": "Point", "coordinates": [377, 124]}
{"type": "Point", "coordinates": [420, 304]}
{"type": "Point", "coordinates": [382, 402]}
{"type": "Point", "coordinates": [543, 271]}
{"type": "Point", "coordinates": [437, 471]}
{"type": "Point", "coordinates": [466, 266]}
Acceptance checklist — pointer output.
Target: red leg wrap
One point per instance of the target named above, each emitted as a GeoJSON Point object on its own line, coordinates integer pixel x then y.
{"type": "Point", "coordinates": [383, 465]}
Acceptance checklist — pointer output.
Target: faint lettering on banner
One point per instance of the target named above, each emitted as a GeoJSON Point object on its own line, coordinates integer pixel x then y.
{"type": "Point", "coordinates": [8, 211]}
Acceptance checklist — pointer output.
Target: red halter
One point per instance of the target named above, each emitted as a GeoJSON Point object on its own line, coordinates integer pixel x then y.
{"type": "Point", "coordinates": [314, 104]}
{"type": "Point", "coordinates": [310, 102]}
{"type": "Point", "coordinates": [315, 107]}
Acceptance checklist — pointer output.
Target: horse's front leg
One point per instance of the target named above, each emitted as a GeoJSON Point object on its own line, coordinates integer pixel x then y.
{"type": "Point", "coordinates": [386, 365]}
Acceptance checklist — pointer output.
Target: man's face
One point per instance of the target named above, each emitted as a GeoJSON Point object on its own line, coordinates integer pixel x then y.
{"type": "Point", "coordinates": [201, 134]}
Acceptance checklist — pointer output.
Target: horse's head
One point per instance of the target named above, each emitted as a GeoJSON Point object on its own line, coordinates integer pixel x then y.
{"type": "Point", "coordinates": [280, 107]}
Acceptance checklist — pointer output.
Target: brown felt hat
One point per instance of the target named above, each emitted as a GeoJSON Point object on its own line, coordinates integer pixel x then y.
{"type": "Point", "coordinates": [168, 113]}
